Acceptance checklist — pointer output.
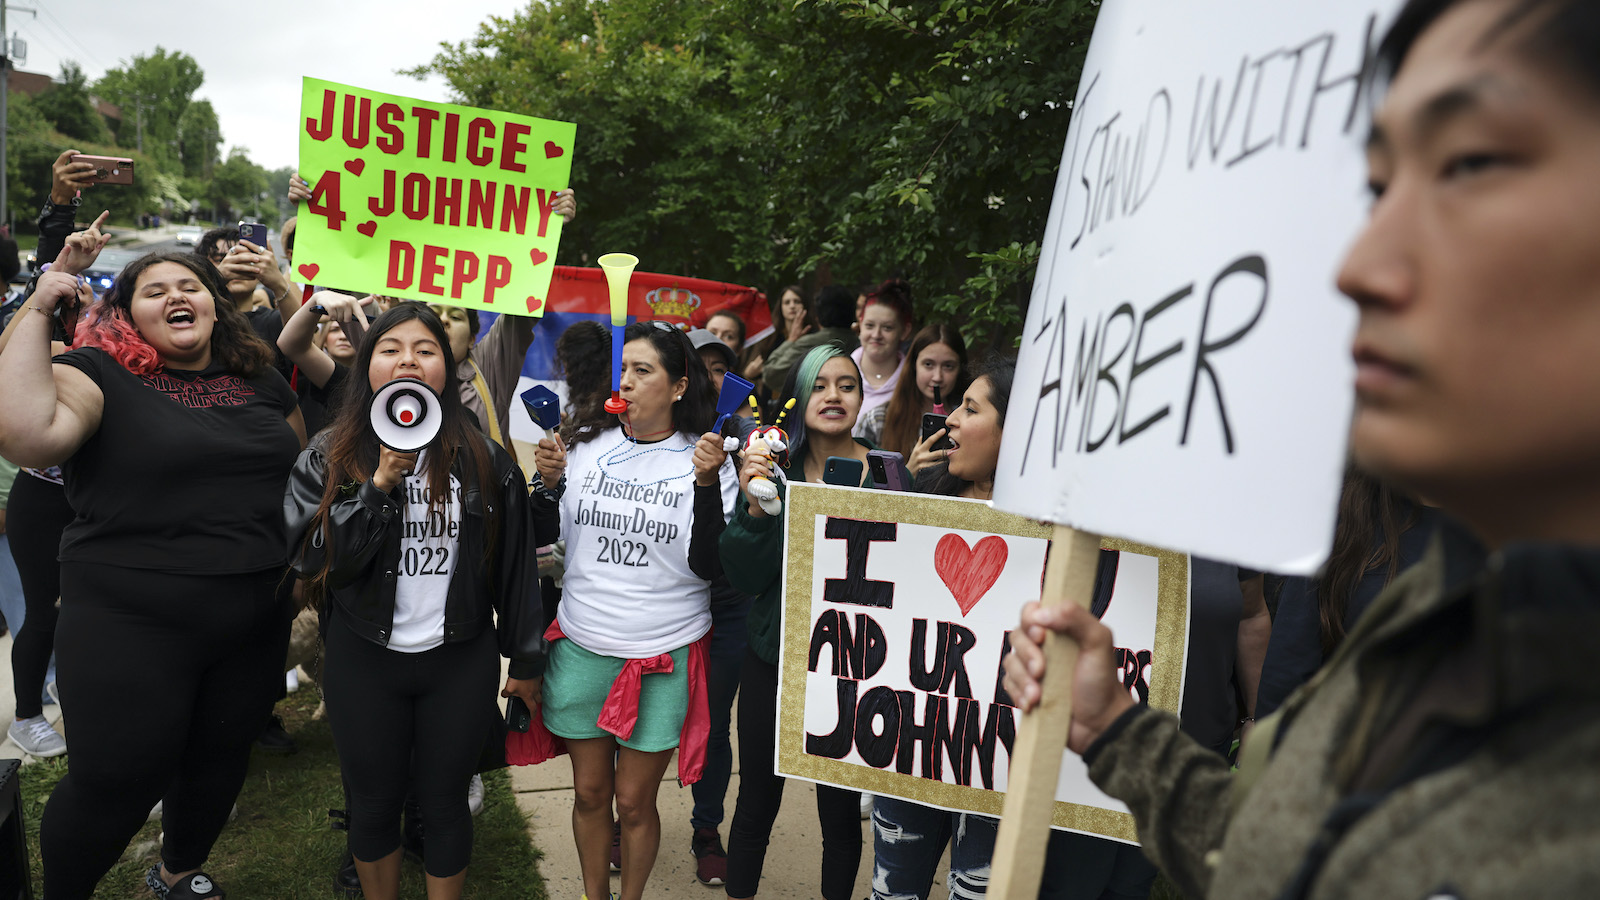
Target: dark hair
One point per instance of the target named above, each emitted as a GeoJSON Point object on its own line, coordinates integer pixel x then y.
{"type": "Point", "coordinates": [902, 415]}
{"type": "Point", "coordinates": [810, 306]}
{"type": "Point", "coordinates": [799, 389]}
{"type": "Point", "coordinates": [234, 344]}
{"type": "Point", "coordinates": [210, 240]}
{"type": "Point", "coordinates": [730, 314]}
{"type": "Point", "coordinates": [1566, 38]}
{"type": "Point", "coordinates": [583, 357]}
{"type": "Point", "coordinates": [836, 307]}
{"type": "Point", "coordinates": [352, 446]}
{"type": "Point", "coordinates": [894, 293]}
{"type": "Point", "coordinates": [1370, 513]}
{"type": "Point", "coordinates": [472, 317]}
{"type": "Point", "coordinates": [1001, 371]}
{"type": "Point", "coordinates": [693, 415]}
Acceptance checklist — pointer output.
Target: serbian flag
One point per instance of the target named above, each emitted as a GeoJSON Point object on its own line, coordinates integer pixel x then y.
{"type": "Point", "coordinates": [578, 293]}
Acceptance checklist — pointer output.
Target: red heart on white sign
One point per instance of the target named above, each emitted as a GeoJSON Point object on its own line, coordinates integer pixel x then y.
{"type": "Point", "coordinates": [969, 573]}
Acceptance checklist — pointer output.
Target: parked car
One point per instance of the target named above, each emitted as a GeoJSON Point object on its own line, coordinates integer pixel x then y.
{"type": "Point", "coordinates": [107, 265]}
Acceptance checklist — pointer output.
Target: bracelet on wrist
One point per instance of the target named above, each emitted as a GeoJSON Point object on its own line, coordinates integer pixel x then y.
{"type": "Point", "coordinates": [549, 494]}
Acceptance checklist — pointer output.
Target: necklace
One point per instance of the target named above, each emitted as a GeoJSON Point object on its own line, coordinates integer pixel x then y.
{"type": "Point", "coordinates": [627, 451]}
{"type": "Point", "coordinates": [878, 376]}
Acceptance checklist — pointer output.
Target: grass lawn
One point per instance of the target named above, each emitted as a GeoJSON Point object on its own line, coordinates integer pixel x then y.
{"type": "Point", "coordinates": [281, 848]}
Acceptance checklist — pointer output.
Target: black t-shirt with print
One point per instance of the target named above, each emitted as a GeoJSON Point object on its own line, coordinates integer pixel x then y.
{"type": "Point", "coordinates": [186, 472]}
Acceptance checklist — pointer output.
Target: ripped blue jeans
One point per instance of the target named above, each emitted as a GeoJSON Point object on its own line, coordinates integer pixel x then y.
{"type": "Point", "coordinates": [908, 839]}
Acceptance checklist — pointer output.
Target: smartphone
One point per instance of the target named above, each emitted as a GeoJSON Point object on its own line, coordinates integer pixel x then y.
{"type": "Point", "coordinates": [518, 718]}
{"type": "Point", "coordinates": [254, 232]}
{"type": "Point", "coordinates": [109, 169]}
{"type": "Point", "coordinates": [842, 470]}
{"type": "Point", "coordinates": [888, 470]}
{"type": "Point", "coordinates": [932, 422]}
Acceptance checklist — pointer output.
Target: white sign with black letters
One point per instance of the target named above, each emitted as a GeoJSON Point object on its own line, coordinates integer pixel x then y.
{"type": "Point", "coordinates": [1184, 377]}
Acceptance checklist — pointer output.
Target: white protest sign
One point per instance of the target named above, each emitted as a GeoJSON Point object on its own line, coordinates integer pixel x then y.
{"type": "Point", "coordinates": [1184, 376]}
{"type": "Point", "coordinates": [896, 612]}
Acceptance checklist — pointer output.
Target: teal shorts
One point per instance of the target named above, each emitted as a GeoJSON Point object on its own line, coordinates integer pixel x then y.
{"type": "Point", "coordinates": [576, 683]}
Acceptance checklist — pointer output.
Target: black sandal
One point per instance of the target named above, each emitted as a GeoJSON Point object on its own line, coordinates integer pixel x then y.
{"type": "Point", "coordinates": [198, 886]}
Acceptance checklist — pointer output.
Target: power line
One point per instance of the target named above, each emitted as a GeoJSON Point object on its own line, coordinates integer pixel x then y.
{"type": "Point", "coordinates": [58, 44]}
{"type": "Point", "coordinates": [48, 40]}
{"type": "Point", "coordinates": [89, 54]}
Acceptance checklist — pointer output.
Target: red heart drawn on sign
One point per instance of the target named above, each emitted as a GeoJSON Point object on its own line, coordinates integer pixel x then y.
{"type": "Point", "coordinates": [368, 228]}
{"type": "Point", "coordinates": [309, 271]}
{"type": "Point", "coordinates": [969, 573]}
{"type": "Point", "coordinates": [533, 305]}
{"type": "Point", "coordinates": [552, 150]}
{"type": "Point", "coordinates": [538, 256]}
{"type": "Point", "coordinates": [354, 166]}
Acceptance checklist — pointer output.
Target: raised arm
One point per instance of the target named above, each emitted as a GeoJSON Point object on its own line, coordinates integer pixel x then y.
{"type": "Point", "coordinates": [56, 221]}
{"type": "Point", "coordinates": [46, 411]}
{"type": "Point", "coordinates": [296, 338]}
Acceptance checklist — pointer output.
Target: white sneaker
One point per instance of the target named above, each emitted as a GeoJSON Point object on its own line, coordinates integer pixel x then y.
{"type": "Point", "coordinates": [866, 805]}
{"type": "Point", "coordinates": [475, 794]}
{"type": "Point", "coordinates": [37, 738]}
{"type": "Point", "coordinates": [291, 681]}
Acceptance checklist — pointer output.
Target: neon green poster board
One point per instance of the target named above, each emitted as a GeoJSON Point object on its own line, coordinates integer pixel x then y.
{"type": "Point", "coordinates": [429, 201]}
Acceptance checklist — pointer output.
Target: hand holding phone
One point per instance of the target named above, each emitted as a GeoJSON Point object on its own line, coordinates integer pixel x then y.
{"type": "Point", "coordinates": [108, 169]}
{"type": "Point", "coordinates": [931, 424]}
{"type": "Point", "coordinates": [254, 232]}
{"type": "Point", "coordinates": [518, 718]}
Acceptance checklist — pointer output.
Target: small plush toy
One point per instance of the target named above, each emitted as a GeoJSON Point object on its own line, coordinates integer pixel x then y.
{"type": "Point", "coordinates": [771, 443]}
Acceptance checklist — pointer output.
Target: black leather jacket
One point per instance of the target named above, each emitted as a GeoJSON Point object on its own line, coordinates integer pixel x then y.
{"type": "Point", "coordinates": [363, 544]}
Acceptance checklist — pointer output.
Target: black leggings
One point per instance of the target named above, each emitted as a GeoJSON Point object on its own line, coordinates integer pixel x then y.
{"type": "Point", "coordinates": [761, 794]}
{"type": "Point", "coordinates": [37, 515]}
{"type": "Point", "coordinates": [389, 710]}
{"type": "Point", "coordinates": [170, 679]}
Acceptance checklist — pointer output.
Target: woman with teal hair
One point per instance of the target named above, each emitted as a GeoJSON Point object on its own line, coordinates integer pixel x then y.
{"type": "Point", "coordinates": [826, 390]}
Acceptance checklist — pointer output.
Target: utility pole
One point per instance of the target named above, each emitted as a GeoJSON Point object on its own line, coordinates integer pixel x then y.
{"type": "Point", "coordinates": [5, 96]}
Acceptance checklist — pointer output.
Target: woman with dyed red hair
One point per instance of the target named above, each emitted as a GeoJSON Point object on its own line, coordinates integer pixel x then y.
{"type": "Point", "coordinates": [176, 437]}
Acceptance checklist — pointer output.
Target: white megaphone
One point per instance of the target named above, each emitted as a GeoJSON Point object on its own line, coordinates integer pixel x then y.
{"type": "Point", "coordinates": [406, 415]}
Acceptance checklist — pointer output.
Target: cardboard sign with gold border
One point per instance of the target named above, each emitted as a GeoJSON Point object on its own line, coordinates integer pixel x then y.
{"type": "Point", "coordinates": [802, 602]}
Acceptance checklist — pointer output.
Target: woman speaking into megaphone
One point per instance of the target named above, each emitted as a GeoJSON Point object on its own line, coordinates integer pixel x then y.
{"type": "Point", "coordinates": [415, 552]}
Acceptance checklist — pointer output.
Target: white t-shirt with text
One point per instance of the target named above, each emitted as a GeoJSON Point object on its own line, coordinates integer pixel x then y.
{"type": "Point", "coordinates": [626, 515]}
{"type": "Point", "coordinates": [430, 541]}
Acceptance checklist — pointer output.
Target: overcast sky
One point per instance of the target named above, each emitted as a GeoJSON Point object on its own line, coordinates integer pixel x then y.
{"type": "Point", "coordinates": [254, 54]}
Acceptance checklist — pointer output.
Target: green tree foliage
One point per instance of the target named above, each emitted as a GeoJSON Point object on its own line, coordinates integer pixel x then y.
{"type": "Point", "coordinates": [32, 146]}
{"type": "Point", "coordinates": [67, 107]}
{"type": "Point", "coordinates": [160, 84]}
{"type": "Point", "coordinates": [199, 138]}
{"type": "Point", "coordinates": [236, 185]}
{"type": "Point", "coordinates": [848, 140]}
{"type": "Point", "coordinates": [182, 139]}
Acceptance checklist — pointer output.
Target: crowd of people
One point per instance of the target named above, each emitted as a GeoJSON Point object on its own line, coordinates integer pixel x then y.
{"type": "Point", "coordinates": [189, 474]}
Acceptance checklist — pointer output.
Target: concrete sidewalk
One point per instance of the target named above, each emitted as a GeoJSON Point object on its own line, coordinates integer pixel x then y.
{"type": "Point", "coordinates": [794, 858]}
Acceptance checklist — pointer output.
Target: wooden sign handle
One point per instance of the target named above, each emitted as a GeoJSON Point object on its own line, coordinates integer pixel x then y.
{"type": "Point", "coordinates": [1024, 835]}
